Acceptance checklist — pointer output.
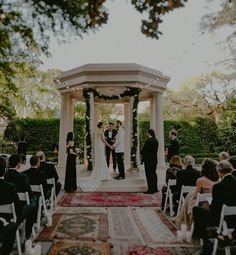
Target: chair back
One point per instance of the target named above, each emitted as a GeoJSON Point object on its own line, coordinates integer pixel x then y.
{"type": "Point", "coordinates": [203, 197]}
{"type": "Point", "coordinates": [24, 196]}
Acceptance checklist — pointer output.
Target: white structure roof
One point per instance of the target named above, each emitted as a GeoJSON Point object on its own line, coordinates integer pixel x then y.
{"type": "Point", "coordinates": [111, 79]}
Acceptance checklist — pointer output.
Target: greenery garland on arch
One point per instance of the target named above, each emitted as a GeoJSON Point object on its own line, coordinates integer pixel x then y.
{"type": "Point", "coordinates": [86, 95]}
{"type": "Point", "coordinates": [130, 92]}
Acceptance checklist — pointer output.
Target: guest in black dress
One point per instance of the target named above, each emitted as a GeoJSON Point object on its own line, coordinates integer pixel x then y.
{"type": "Point", "coordinates": [70, 178]}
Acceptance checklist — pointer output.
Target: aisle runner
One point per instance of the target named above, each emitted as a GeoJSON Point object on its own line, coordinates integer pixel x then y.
{"type": "Point", "coordinates": [80, 248]}
{"type": "Point", "coordinates": [110, 199]}
{"type": "Point", "coordinates": [121, 225]}
{"type": "Point", "coordinates": [154, 227]}
{"type": "Point", "coordinates": [79, 226]}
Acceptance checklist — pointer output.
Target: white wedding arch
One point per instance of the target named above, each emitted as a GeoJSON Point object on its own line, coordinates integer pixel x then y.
{"type": "Point", "coordinates": [109, 80]}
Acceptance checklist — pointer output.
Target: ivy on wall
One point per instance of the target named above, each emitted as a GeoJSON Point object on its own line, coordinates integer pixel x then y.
{"type": "Point", "coordinates": [130, 92]}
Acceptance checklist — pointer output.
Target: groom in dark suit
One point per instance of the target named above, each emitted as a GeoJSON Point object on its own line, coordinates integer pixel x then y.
{"type": "Point", "coordinates": [149, 154]}
{"type": "Point", "coordinates": [110, 135]}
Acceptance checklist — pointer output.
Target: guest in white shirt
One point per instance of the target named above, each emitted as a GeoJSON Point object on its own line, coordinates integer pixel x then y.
{"type": "Point", "coordinates": [119, 147]}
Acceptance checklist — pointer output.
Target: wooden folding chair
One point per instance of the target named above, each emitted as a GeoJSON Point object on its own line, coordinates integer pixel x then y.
{"type": "Point", "coordinates": [184, 190]}
{"type": "Point", "coordinates": [169, 196]}
{"type": "Point", "coordinates": [223, 228]}
{"type": "Point", "coordinates": [10, 209]}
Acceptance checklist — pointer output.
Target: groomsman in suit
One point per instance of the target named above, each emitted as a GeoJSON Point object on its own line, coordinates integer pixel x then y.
{"type": "Point", "coordinates": [110, 135]}
{"type": "Point", "coordinates": [223, 192]}
{"type": "Point", "coordinates": [173, 148]}
{"type": "Point", "coordinates": [149, 154]}
{"type": "Point", "coordinates": [119, 147]}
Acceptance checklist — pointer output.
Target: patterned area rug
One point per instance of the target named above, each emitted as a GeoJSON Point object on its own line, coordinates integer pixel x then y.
{"type": "Point", "coordinates": [121, 225]}
{"type": "Point", "coordinates": [79, 226]}
{"type": "Point", "coordinates": [80, 248]}
{"type": "Point", "coordinates": [145, 250]}
{"type": "Point", "coordinates": [110, 199]}
{"type": "Point", "coordinates": [154, 227]}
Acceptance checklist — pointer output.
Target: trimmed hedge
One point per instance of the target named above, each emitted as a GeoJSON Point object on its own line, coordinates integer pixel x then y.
{"type": "Point", "coordinates": [201, 137]}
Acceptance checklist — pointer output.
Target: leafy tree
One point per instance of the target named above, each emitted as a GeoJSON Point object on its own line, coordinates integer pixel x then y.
{"type": "Point", "coordinates": [25, 26]}
{"type": "Point", "coordinates": [36, 94]}
{"type": "Point", "coordinates": [224, 18]}
{"type": "Point", "coordinates": [206, 95]}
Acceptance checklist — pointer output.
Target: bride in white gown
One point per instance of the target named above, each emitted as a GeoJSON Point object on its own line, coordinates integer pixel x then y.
{"type": "Point", "coordinates": [100, 171]}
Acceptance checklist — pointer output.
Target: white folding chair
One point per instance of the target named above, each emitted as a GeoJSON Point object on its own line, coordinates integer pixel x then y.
{"type": "Point", "coordinates": [226, 211]}
{"type": "Point", "coordinates": [184, 190]}
{"type": "Point", "coordinates": [42, 203]}
{"type": "Point", "coordinates": [53, 196]}
{"type": "Point", "coordinates": [169, 196]}
{"type": "Point", "coordinates": [201, 197]}
{"type": "Point", "coordinates": [10, 209]}
{"type": "Point", "coordinates": [24, 196]}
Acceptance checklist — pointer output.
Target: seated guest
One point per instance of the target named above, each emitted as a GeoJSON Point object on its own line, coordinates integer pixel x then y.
{"type": "Point", "coordinates": [7, 236]}
{"type": "Point", "coordinates": [7, 188]}
{"type": "Point", "coordinates": [223, 156]}
{"type": "Point", "coordinates": [22, 184]}
{"type": "Point", "coordinates": [23, 163]}
{"type": "Point", "coordinates": [186, 177]}
{"type": "Point", "coordinates": [171, 172]}
{"type": "Point", "coordinates": [20, 180]}
{"type": "Point", "coordinates": [49, 169]}
{"type": "Point", "coordinates": [36, 177]}
{"type": "Point", "coordinates": [204, 184]}
{"type": "Point", "coordinates": [232, 161]}
{"type": "Point", "coordinates": [22, 212]}
{"type": "Point", "coordinates": [223, 192]}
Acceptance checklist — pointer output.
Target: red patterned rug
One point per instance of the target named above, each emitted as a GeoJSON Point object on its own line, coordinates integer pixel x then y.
{"type": "Point", "coordinates": [145, 250]}
{"type": "Point", "coordinates": [110, 199]}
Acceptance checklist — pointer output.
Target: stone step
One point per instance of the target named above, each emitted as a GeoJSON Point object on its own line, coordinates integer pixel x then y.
{"type": "Point", "coordinates": [120, 188]}
{"type": "Point", "coordinates": [126, 182]}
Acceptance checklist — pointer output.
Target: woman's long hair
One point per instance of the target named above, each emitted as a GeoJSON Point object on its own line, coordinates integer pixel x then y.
{"type": "Point", "coordinates": [209, 169]}
{"type": "Point", "coordinates": [70, 137]}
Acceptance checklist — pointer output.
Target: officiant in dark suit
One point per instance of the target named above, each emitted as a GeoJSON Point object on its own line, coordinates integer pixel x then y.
{"type": "Point", "coordinates": [110, 135]}
{"type": "Point", "coordinates": [149, 157]}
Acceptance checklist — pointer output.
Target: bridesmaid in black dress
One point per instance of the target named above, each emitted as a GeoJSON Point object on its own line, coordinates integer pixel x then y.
{"type": "Point", "coordinates": [70, 178]}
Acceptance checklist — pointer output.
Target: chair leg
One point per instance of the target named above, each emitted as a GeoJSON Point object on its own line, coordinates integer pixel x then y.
{"type": "Point", "coordinates": [227, 250]}
{"type": "Point", "coordinates": [18, 242]}
{"type": "Point", "coordinates": [39, 213]}
{"type": "Point", "coordinates": [171, 204]}
{"type": "Point", "coordinates": [215, 247]}
{"type": "Point", "coordinates": [166, 199]}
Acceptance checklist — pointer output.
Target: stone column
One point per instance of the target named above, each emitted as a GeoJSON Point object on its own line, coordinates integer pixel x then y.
{"type": "Point", "coordinates": [160, 128]}
{"type": "Point", "coordinates": [153, 113]}
{"type": "Point", "coordinates": [70, 115]}
{"type": "Point", "coordinates": [127, 127]}
{"type": "Point", "coordinates": [65, 99]}
{"type": "Point", "coordinates": [92, 124]}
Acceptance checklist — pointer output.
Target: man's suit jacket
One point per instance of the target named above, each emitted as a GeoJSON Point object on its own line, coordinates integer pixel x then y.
{"type": "Point", "coordinates": [49, 170]}
{"type": "Point", "coordinates": [111, 140]}
{"type": "Point", "coordinates": [20, 180]}
{"type": "Point", "coordinates": [149, 151]}
{"type": "Point", "coordinates": [223, 192]}
{"type": "Point", "coordinates": [173, 148]}
{"type": "Point", "coordinates": [9, 195]}
{"type": "Point", "coordinates": [37, 177]}
{"type": "Point", "coordinates": [120, 141]}
{"type": "Point", "coordinates": [187, 177]}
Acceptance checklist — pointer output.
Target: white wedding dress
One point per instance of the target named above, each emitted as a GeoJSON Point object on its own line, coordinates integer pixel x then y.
{"type": "Point", "coordinates": [100, 171]}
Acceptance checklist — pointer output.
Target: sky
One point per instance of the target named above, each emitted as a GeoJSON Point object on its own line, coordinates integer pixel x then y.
{"type": "Point", "coordinates": [182, 52]}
